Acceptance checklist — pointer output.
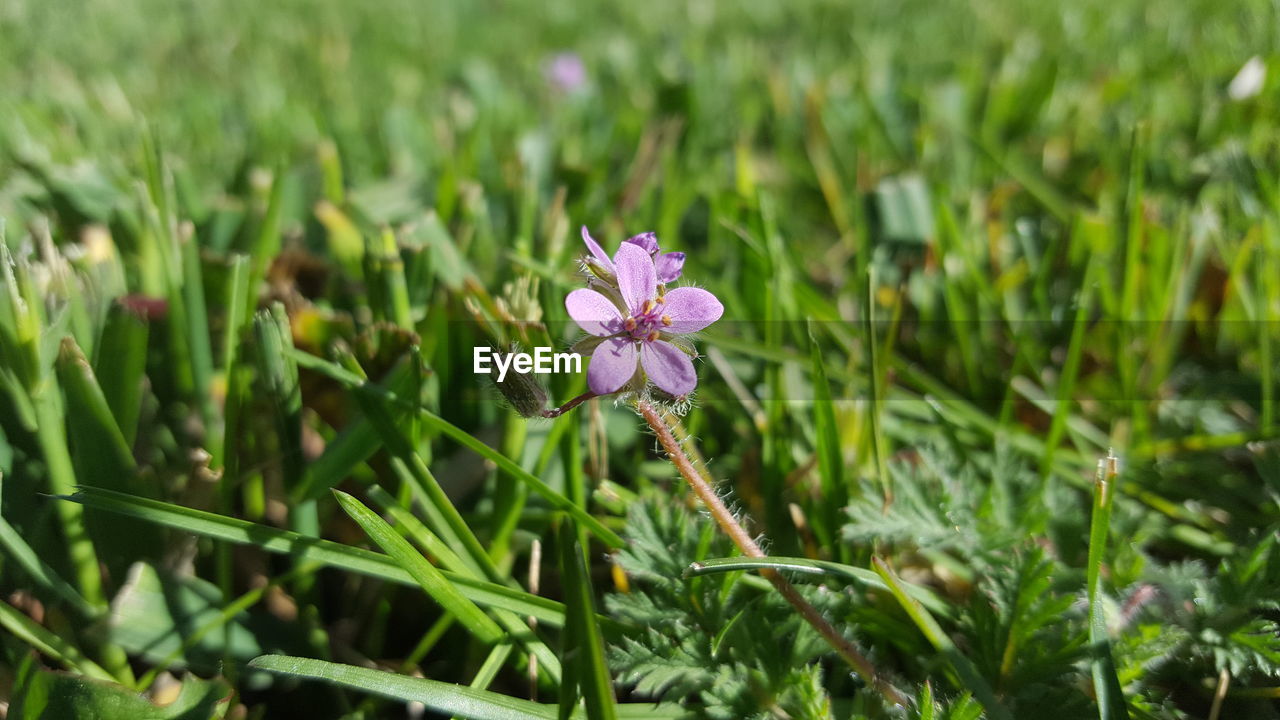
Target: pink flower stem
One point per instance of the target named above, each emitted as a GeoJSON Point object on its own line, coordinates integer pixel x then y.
{"type": "Point", "coordinates": [748, 546]}
{"type": "Point", "coordinates": [557, 412]}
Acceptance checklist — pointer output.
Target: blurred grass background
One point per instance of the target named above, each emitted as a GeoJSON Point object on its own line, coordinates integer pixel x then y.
{"type": "Point", "coordinates": [965, 250]}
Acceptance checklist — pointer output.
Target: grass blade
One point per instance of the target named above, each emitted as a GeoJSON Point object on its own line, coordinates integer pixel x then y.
{"type": "Point", "coordinates": [22, 554]}
{"type": "Point", "coordinates": [50, 644]}
{"type": "Point", "coordinates": [413, 470]}
{"type": "Point", "coordinates": [237, 296]}
{"type": "Point", "coordinates": [52, 436]}
{"type": "Point", "coordinates": [440, 697]}
{"type": "Point", "coordinates": [197, 328]}
{"type": "Point", "coordinates": [428, 576]}
{"type": "Point", "coordinates": [279, 374]}
{"type": "Point", "coordinates": [432, 545]}
{"type": "Point", "coordinates": [879, 450]}
{"type": "Point", "coordinates": [420, 534]}
{"type": "Point", "coordinates": [98, 444]}
{"type": "Point", "coordinates": [593, 681]}
{"type": "Point", "coordinates": [1106, 685]}
{"type": "Point", "coordinates": [432, 421]}
{"type": "Point", "coordinates": [357, 442]}
{"type": "Point", "coordinates": [122, 356]}
{"type": "Point", "coordinates": [308, 549]}
{"type": "Point", "coordinates": [464, 702]}
{"type": "Point", "coordinates": [1070, 371]}
{"type": "Point", "coordinates": [830, 458]}
{"type": "Point", "coordinates": [941, 641]}
{"type": "Point", "coordinates": [492, 664]}
{"type": "Point", "coordinates": [860, 576]}
{"type": "Point", "coordinates": [560, 502]}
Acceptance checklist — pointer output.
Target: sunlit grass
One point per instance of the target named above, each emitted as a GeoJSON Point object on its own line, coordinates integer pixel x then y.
{"type": "Point", "coordinates": [965, 251]}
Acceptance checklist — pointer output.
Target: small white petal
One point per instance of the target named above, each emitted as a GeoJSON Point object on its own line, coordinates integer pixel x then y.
{"type": "Point", "coordinates": [1249, 80]}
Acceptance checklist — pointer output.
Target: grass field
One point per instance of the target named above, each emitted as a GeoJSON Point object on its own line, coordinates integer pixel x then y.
{"type": "Point", "coordinates": [994, 388]}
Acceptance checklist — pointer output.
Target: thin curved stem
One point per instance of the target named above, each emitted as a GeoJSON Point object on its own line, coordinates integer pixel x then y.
{"type": "Point", "coordinates": [557, 412]}
{"type": "Point", "coordinates": [748, 546]}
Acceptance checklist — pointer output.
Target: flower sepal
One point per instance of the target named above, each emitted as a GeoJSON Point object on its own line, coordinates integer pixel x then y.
{"type": "Point", "coordinates": [681, 342]}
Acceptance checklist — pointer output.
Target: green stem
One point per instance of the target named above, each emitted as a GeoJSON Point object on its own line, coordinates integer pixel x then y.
{"type": "Point", "coordinates": [1106, 684]}
{"type": "Point", "coordinates": [51, 434]}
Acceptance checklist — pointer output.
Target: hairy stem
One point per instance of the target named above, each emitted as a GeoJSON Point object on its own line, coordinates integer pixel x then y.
{"type": "Point", "coordinates": [748, 546]}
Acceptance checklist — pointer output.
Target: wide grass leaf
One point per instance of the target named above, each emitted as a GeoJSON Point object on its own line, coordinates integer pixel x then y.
{"type": "Point", "coordinates": [156, 615]}
{"type": "Point", "coordinates": [44, 695]}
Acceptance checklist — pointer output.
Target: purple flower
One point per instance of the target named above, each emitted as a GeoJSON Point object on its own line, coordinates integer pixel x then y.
{"type": "Point", "coordinates": [639, 325]}
{"type": "Point", "coordinates": [566, 72]}
{"type": "Point", "coordinates": [668, 266]}
{"type": "Point", "coordinates": [647, 242]}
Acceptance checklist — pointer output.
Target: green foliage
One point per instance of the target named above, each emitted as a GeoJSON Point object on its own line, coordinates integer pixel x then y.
{"type": "Point", "coordinates": [177, 621]}
{"type": "Point", "coordinates": [1223, 620]}
{"type": "Point", "coordinates": [1015, 617]}
{"type": "Point", "coordinates": [44, 695]}
{"type": "Point", "coordinates": [739, 649]}
{"type": "Point", "coordinates": [964, 248]}
{"type": "Point", "coordinates": [1236, 618]}
{"type": "Point", "coordinates": [975, 507]}
{"type": "Point", "coordinates": [462, 702]}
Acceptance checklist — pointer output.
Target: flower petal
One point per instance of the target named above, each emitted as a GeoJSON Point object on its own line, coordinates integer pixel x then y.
{"type": "Point", "coordinates": [648, 241]}
{"type": "Point", "coordinates": [637, 279]}
{"type": "Point", "coordinates": [690, 309]}
{"type": "Point", "coordinates": [596, 251]}
{"type": "Point", "coordinates": [613, 363]}
{"type": "Point", "coordinates": [668, 266]}
{"type": "Point", "coordinates": [668, 367]}
{"type": "Point", "coordinates": [593, 312]}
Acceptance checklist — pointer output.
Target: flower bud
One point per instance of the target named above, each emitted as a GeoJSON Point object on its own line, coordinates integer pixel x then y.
{"type": "Point", "coordinates": [522, 390]}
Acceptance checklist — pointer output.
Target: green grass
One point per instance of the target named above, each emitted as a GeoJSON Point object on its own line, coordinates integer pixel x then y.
{"type": "Point", "coordinates": [965, 250]}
